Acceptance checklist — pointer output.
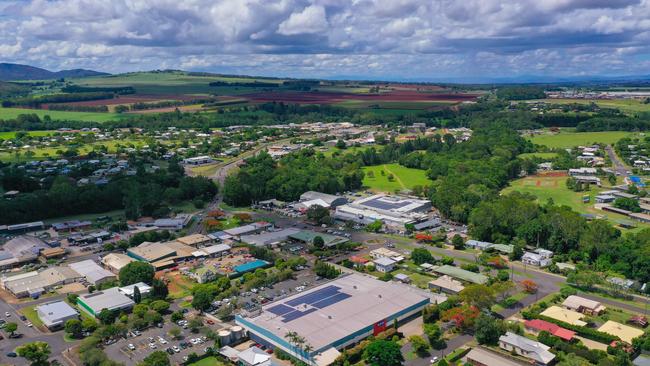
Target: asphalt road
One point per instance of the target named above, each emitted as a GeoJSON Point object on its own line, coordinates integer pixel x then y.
{"type": "Point", "coordinates": [619, 166]}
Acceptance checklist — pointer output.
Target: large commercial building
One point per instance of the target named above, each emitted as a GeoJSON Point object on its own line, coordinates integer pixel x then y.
{"type": "Point", "coordinates": [93, 272]}
{"type": "Point", "coordinates": [394, 211]}
{"type": "Point", "coordinates": [110, 299]}
{"type": "Point", "coordinates": [334, 315]}
{"type": "Point", "coordinates": [20, 250]}
{"type": "Point", "coordinates": [162, 254]}
{"type": "Point", "coordinates": [35, 283]}
{"type": "Point", "coordinates": [55, 314]}
{"type": "Point", "coordinates": [312, 198]}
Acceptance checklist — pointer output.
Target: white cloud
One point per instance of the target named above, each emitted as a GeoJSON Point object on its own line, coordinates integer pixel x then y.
{"type": "Point", "coordinates": [311, 19]}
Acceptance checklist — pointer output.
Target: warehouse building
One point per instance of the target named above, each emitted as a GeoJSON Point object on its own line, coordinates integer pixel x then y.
{"type": "Point", "coordinates": [34, 284]}
{"type": "Point", "coordinates": [394, 211]}
{"type": "Point", "coordinates": [311, 198]}
{"type": "Point", "coordinates": [114, 262]}
{"type": "Point", "coordinates": [269, 237]}
{"type": "Point", "coordinates": [461, 274]}
{"type": "Point", "coordinates": [110, 299]}
{"type": "Point", "coordinates": [20, 250]}
{"type": "Point", "coordinates": [93, 272]}
{"type": "Point", "coordinates": [163, 255]}
{"type": "Point", "coordinates": [55, 314]}
{"type": "Point", "coordinates": [334, 315]}
{"type": "Point", "coordinates": [307, 236]}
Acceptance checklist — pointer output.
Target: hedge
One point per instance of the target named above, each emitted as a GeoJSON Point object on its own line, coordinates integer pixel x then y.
{"type": "Point", "coordinates": [588, 333]}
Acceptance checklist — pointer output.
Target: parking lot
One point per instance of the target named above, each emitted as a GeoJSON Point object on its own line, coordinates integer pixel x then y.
{"type": "Point", "coordinates": [120, 351]}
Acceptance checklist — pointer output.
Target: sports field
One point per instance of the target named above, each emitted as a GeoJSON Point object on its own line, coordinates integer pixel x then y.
{"type": "Point", "coordinates": [566, 139]}
{"type": "Point", "coordinates": [553, 186]}
{"type": "Point", "coordinates": [403, 178]}
{"type": "Point", "coordinates": [10, 113]}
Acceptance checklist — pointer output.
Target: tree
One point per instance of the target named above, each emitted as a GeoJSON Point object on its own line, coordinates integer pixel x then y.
{"type": "Point", "coordinates": [481, 296]}
{"type": "Point", "coordinates": [11, 328]}
{"type": "Point", "coordinates": [319, 242]}
{"type": "Point", "coordinates": [159, 289]}
{"type": "Point", "coordinates": [175, 332]}
{"type": "Point", "coordinates": [107, 316]}
{"type": "Point", "coordinates": [74, 328]}
{"type": "Point", "coordinates": [177, 315]}
{"type": "Point", "coordinates": [36, 353]}
{"type": "Point", "coordinates": [137, 297]}
{"type": "Point", "coordinates": [383, 353]}
{"type": "Point", "coordinates": [156, 358]}
{"type": "Point", "coordinates": [629, 204]}
{"type": "Point", "coordinates": [434, 333]}
{"type": "Point", "coordinates": [340, 144]}
{"type": "Point", "coordinates": [89, 325]}
{"type": "Point", "coordinates": [202, 299]}
{"type": "Point", "coordinates": [135, 272]}
{"type": "Point", "coordinates": [375, 226]}
{"type": "Point", "coordinates": [420, 346]}
{"type": "Point", "coordinates": [195, 324]}
{"type": "Point", "coordinates": [421, 255]}
{"type": "Point", "coordinates": [529, 286]}
{"type": "Point", "coordinates": [488, 330]}
{"type": "Point", "coordinates": [457, 242]}
{"type": "Point", "coordinates": [319, 214]}
{"type": "Point", "coordinates": [160, 306]}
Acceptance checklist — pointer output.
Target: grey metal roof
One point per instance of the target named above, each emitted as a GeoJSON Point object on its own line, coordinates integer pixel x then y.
{"type": "Point", "coordinates": [107, 299]}
{"type": "Point", "coordinates": [52, 313]}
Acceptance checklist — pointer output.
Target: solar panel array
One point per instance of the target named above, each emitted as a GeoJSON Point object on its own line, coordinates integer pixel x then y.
{"type": "Point", "coordinates": [383, 204]}
{"type": "Point", "coordinates": [318, 299]}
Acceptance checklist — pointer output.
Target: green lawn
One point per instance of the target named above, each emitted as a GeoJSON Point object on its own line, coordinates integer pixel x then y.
{"type": "Point", "coordinates": [555, 188]}
{"type": "Point", "coordinates": [10, 113]}
{"type": "Point", "coordinates": [403, 178]}
{"type": "Point", "coordinates": [208, 361]}
{"type": "Point", "coordinates": [12, 134]}
{"type": "Point", "coordinates": [541, 155]}
{"type": "Point", "coordinates": [625, 105]}
{"type": "Point", "coordinates": [30, 313]}
{"type": "Point", "coordinates": [566, 139]}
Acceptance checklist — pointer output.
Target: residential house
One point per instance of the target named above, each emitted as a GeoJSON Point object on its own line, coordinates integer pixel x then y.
{"type": "Point", "coordinates": [447, 285]}
{"type": "Point", "coordinates": [537, 325]}
{"type": "Point", "coordinates": [535, 351]}
{"type": "Point", "coordinates": [582, 305]}
{"type": "Point", "coordinates": [384, 264]}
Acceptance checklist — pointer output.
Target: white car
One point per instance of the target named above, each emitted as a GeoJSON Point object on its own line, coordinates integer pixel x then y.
{"type": "Point", "coordinates": [434, 359]}
{"type": "Point", "coordinates": [162, 341]}
{"type": "Point", "coordinates": [176, 349]}
{"type": "Point", "coordinates": [152, 345]}
{"type": "Point", "coordinates": [29, 324]}
{"type": "Point", "coordinates": [7, 314]}
{"type": "Point", "coordinates": [131, 347]}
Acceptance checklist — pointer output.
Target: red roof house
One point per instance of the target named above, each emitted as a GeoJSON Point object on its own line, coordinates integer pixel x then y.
{"type": "Point", "coordinates": [540, 325]}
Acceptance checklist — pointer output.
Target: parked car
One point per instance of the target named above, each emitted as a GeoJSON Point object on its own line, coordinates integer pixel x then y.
{"type": "Point", "coordinates": [131, 347]}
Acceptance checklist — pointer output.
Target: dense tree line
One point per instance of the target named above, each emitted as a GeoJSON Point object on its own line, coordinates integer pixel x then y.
{"type": "Point", "coordinates": [522, 92]}
{"type": "Point", "coordinates": [263, 178]}
{"type": "Point", "coordinates": [614, 124]}
{"type": "Point", "coordinates": [250, 84]}
{"type": "Point", "coordinates": [100, 89]}
{"type": "Point", "coordinates": [516, 218]}
{"type": "Point", "coordinates": [35, 102]}
{"type": "Point", "coordinates": [78, 108]}
{"type": "Point", "coordinates": [148, 194]}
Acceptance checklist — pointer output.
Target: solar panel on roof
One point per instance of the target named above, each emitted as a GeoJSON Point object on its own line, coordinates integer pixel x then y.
{"type": "Point", "coordinates": [296, 314]}
{"type": "Point", "coordinates": [314, 296]}
{"type": "Point", "coordinates": [331, 300]}
{"type": "Point", "coordinates": [280, 309]}
{"type": "Point", "coordinates": [384, 205]}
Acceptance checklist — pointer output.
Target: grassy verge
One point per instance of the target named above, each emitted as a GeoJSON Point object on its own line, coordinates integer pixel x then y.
{"type": "Point", "coordinates": [377, 178]}
{"type": "Point", "coordinates": [31, 315]}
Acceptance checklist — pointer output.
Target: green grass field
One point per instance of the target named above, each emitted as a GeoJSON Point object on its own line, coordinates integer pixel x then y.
{"type": "Point", "coordinates": [12, 134]}
{"type": "Point", "coordinates": [555, 188]}
{"type": "Point", "coordinates": [404, 178]}
{"type": "Point", "coordinates": [10, 113]}
{"type": "Point", "coordinates": [46, 152]}
{"type": "Point", "coordinates": [30, 313]}
{"type": "Point", "coordinates": [208, 361]}
{"type": "Point", "coordinates": [566, 139]}
{"type": "Point", "coordinates": [625, 105]}
{"type": "Point", "coordinates": [540, 155]}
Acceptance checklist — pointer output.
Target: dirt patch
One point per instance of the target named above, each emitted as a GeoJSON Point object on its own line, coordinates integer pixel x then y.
{"type": "Point", "coordinates": [71, 287]}
{"type": "Point", "coordinates": [551, 174]}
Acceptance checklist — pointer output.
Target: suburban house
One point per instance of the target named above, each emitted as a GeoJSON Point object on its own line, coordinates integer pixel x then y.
{"type": "Point", "coordinates": [480, 356]}
{"type": "Point", "coordinates": [582, 305]}
{"type": "Point", "coordinates": [537, 325]}
{"type": "Point", "coordinates": [447, 285]}
{"type": "Point", "coordinates": [625, 332]}
{"type": "Point", "coordinates": [564, 315]}
{"type": "Point", "coordinates": [537, 352]}
{"type": "Point", "coordinates": [386, 253]}
{"type": "Point", "coordinates": [384, 264]}
{"type": "Point", "coordinates": [538, 258]}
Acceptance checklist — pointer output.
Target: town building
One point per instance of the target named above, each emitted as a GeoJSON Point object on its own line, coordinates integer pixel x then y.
{"type": "Point", "coordinates": [20, 250]}
{"type": "Point", "coordinates": [194, 240]}
{"type": "Point", "coordinates": [625, 332]}
{"type": "Point", "coordinates": [384, 264]}
{"type": "Point", "coordinates": [55, 314]}
{"type": "Point", "coordinates": [386, 253]}
{"type": "Point", "coordinates": [537, 352]}
{"type": "Point", "coordinates": [582, 305]}
{"type": "Point", "coordinates": [93, 272]}
{"type": "Point", "coordinates": [254, 228]}
{"type": "Point", "coordinates": [312, 198]}
{"type": "Point", "coordinates": [269, 238]}
{"type": "Point", "coordinates": [537, 325]}
{"type": "Point", "coordinates": [539, 258]}
{"type": "Point", "coordinates": [34, 284]}
{"type": "Point", "coordinates": [333, 316]}
{"type": "Point", "coordinates": [395, 212]}
{"type": "Point", "coordinates": [145, 290]}
{"type": "Point", "coordinates": [564, 315]}
{"type": "Point", "coordinates": [480, 356]}
{"type": "Point", "coordinates": [447, 285]}
{"type": "Point", "coordinates": [461, 274]}
{"type": "Point", "coordinates": [114, 262]}
{"type": "Point", "coordinates": [308, 236]}
{"type": "Point", "coordinates": [484, 245]}
{"type": "Point", "coordinates": [110, 299]}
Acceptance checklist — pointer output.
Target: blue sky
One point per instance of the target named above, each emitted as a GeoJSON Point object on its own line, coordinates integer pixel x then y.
{"type": "Point", "coordinates": [376, 39]}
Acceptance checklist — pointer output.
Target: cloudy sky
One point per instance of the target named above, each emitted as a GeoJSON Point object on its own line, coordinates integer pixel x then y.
{"type": "Point", "coordinates": [386, 39]}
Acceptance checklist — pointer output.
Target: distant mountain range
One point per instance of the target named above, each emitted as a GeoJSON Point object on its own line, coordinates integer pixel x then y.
{"type": "Point", "coordinates": [26, 72]}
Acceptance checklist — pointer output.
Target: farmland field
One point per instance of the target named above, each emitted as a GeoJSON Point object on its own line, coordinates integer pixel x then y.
{"type": "Point", "coordinates": [565, 139]}
{"type": "Point", "coordinates": [9, 113]}
{"type": "Point", "coordinates": [625, 105]}
{"type": "Point", "coordinates": [404, 178]}
{"type": "Point", "coordinates": [554, 187]}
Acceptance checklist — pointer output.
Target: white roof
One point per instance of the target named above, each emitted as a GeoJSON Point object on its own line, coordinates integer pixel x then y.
{"type": "Point", "coordinates": [128, 290]}
{"type": "Point", "coordinates": [534, 350]}
{"type": "Point", "coordinates": [253, 356]}
{"type": "Point", "coordinates": [575, 302]}
{"type": "Point", "coordinates": [384, 261]}
{"type": "Point", "coordinates": [92, 271]}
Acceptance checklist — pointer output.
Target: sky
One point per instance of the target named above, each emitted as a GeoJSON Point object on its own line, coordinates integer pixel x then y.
{"type": "Point", "coordinates": [373, 39]}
